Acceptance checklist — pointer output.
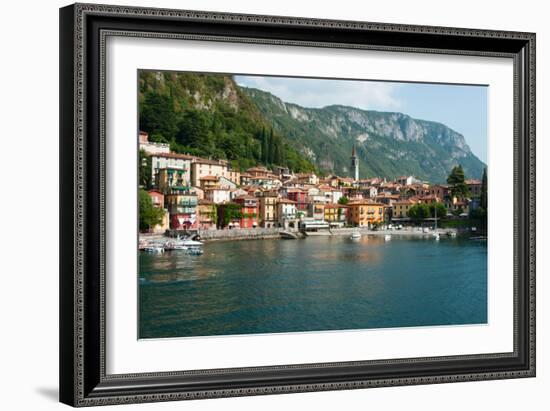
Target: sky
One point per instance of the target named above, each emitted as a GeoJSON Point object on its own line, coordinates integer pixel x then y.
{"type": "Point", "coordinates": [460, 107]}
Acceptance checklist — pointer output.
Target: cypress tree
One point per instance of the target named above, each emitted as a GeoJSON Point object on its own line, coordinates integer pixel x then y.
{"type": "Point", "coordinates": [483, 199]}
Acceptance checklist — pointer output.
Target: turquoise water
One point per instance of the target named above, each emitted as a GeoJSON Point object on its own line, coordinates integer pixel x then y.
{"type": "Point", "coordinates": [320, 283]}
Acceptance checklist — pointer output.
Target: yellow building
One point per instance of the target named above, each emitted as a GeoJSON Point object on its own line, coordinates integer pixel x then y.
{"type": "Point", "coordinates": [206, 211]}
{"type": "Point", "coordinates": [268, 209]}
{"type": "Point", "coordinates": [168, 178]}
{"type": "Point", "coordinates": [401, 208]}
{"type": "Point", "coordinates": [201, 168]}
{"type": "Point", "coordinates": [365, 213]}
{"type": "Point", "coordinates": [336, 213]}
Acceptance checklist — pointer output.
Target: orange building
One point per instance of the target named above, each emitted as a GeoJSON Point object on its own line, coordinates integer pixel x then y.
{"type": "Point", "coordinates": [365, 213]}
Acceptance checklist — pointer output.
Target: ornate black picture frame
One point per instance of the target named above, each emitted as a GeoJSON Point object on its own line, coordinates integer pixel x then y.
{"type": "Point", "coordinates": [83, 30]}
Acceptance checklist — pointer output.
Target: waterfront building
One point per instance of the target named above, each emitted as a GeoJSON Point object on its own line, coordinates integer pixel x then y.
{"type": "Point", "coordinates": [173, 161]}
{"type": "Point", "coordinates": [336, 214]}
{"type": "Point", "coordinates": [217, 195]}
{"type": "Point", "coordinates": [440, 190]}
{"type": "Point", "coordinates": [201, 167]}
{"type": "Point", "coordinates": [268, 208]}
{"type": "Point", "coordinates": [474, 186]}
{"type": "Point", "coordinates": [158, 201]}
{"type": "Point", "coordinates": [299, 197]}
{"type": "Point", "coordinates": [229, 215]}
{"type": "Point", "coordinates": [311, 225]}
{"type": "Point", "coordinates": [317, 210]}
{"type": "Point", "coordinates": [157, 197]}
{"type": "Point", "coordinates": [207, 214]}
{"type": "Point", "coordinates": [354, 165]}
{"type": "Point", "coordinates": [366, 213]}
{"type": "Point", "coordinates": [182, 207]}
{"type": "Point", "coordinates": [249, 211]}
{"type": "Point", "coordinates": [150, 147]}
{"type": "Point", "coordinates": [401, 208]}
{"type": "Point", "coordinates": [458, 206]}
{"type": "Point", "coordinates": [286, 213]}
{"type": "Point", "coordinates": [170, 177]}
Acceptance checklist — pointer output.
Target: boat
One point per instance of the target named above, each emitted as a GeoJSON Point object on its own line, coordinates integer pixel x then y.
{"type": "Point", "coordinates": [154, 248]}
{"type": "Point", "coordinates": [195, 251]}
{"type": "Point", "coordinates": [182, 245]}
{"type": "Point", "coordinates": [451, 233]}
{"type": "Point", "coordinates": [435, 234]}
{"type": "Point", "coordinates": [387, 237]}
{"type": "Point", "coordinates": [355, 235]}
{"type": "Point", "coordinates": [192, 243]}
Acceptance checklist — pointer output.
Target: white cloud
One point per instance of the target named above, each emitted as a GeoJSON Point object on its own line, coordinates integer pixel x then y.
{"type": "Point", "coordinates": [368, 95]}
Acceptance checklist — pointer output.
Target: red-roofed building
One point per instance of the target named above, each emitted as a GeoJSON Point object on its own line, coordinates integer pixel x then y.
{"type": "Point", "coordinates": [249, 210]}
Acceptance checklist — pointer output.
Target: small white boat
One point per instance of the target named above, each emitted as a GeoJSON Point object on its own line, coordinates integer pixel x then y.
{"type": "Point", "coordinates": [355, 235]}
{"type": "Point", "coordinates": [192, 243]}
{"type": "Point", "coordinates": [387, 237]}
{"type": "Point", "coordinates": [451, 233]}
{"type": "Point", "coordinates": [154, 248]}
{"type": "Point", "coordinates": [195, 251]}
{"type": "Point", "coordinates": [182, 245]}
{"type": "Point", "coordinates": [435, 236]}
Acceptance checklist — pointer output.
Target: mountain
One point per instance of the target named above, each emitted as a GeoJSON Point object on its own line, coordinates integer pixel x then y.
{"type": "Point", "coordinates": [387, 144]}
{"type": "Point", "coordinates": [210, 116]}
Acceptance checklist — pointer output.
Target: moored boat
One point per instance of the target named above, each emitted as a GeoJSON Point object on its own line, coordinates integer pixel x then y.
{"type": "Point", "coordinates": [355, 235]}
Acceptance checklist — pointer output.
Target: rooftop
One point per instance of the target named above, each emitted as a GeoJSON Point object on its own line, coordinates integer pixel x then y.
{"type": "Point", "coordinates": [174, 155]}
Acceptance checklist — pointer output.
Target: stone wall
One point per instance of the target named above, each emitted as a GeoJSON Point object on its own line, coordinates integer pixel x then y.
{"type": "Point", "coordinates": [240, 234]}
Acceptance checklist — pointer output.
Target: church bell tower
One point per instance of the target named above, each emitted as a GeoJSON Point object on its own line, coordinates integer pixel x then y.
{"type": "Point", "coordinates": [354, 164]}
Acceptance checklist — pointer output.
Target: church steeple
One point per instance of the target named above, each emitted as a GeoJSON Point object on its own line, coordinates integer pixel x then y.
{"type": "Point", "coordinates": [354, 164]}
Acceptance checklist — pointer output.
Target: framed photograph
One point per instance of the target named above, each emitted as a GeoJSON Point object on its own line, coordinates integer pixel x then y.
{"type": "Point", "coordinates": [261, 204]}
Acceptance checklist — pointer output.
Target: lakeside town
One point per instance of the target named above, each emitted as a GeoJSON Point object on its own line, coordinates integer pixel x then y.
{"type": "Point", "coordinates": [182, 194]}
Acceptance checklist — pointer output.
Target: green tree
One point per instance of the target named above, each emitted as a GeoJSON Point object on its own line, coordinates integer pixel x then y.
{"type": "Point", "coordinates": [441, 210]}
{"type": "Point", "coordinates": [458, 187]}
{"type": "Point", "coordinates": [144, 169]}
{"type": "Point", "coordinates": [158, 117]}
{"type": "Point", "coordinates": [194, 131]}
{"type": "Point", "coordinates": [149, 215]}
{"type": "Point", "coordinates": [343, 200]}
{"type": "Point", "coordinates": [483, 197]}
{"type": "Point", "coordinates": [419, 212]}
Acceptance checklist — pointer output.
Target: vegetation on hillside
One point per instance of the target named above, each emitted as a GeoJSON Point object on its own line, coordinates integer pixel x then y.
{"type": "Point", "coordinates": [209, 116]}
{"type": "Point", "coordinates": [387, 144]}
{"type": "Point", "coordinates": [149, 215]}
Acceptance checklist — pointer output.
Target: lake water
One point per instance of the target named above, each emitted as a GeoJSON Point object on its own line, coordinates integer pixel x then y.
{"type": "Point", "coordinates": [320, 283]}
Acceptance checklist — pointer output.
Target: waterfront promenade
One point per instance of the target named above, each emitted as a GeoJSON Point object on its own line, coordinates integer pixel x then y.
{"type": "Point", "coordinates": [274, 233]}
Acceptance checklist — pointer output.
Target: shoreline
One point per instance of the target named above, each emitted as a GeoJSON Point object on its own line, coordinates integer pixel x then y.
{"type": "Point", "coordinates": [269, 234]}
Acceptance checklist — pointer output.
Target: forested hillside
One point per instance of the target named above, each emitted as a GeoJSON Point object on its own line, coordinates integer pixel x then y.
{"type": "Point", "coordinates": [210, 116]}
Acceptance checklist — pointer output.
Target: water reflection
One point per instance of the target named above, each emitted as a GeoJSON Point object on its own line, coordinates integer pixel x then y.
{"type": "Point", "coordinates": [322, 283]}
